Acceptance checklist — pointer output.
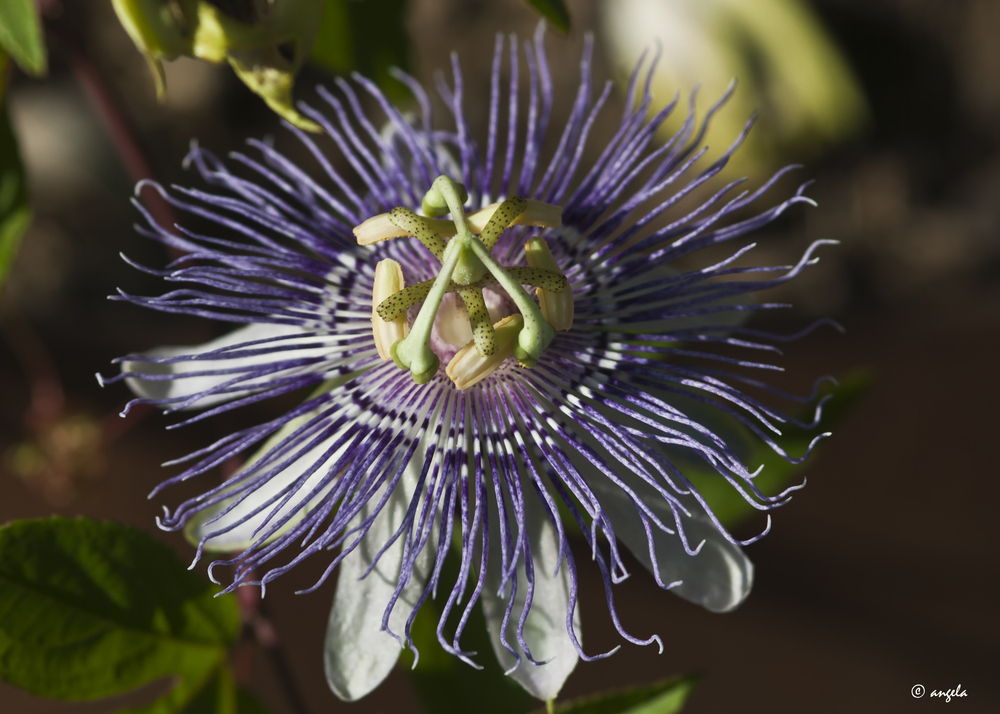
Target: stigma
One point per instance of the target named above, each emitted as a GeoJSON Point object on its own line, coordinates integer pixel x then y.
{"type": "Point", "coordinates": [464, 246]}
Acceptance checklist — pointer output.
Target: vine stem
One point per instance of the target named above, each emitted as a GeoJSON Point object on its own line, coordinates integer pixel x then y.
{"type": "Point", "coordinates": [112, 118]}
{"type": "Point", "coordinates": [257, 623]}
{"type": "Point", "coordinates": [108, 111]}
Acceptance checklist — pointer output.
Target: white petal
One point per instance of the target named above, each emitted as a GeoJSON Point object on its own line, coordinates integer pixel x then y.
{"type": "Point", "coordinates": [719, 578]}
{"type": "Point", "coordinates": [182, 386]}
{"type": "Point", "coordinates": [358, 655]}
{"type": "Point", "coordinates": [545, 629]}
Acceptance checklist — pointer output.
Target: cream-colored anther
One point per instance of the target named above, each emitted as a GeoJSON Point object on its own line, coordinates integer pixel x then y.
{"type": "Point", "coordinates": [388, 281]}
{"type": "Point", "coordinates": [557, 308]}
{"type": "Point", "coordinates": [377, 228]}
{"type": "Point", "coordinates": [468, 366]}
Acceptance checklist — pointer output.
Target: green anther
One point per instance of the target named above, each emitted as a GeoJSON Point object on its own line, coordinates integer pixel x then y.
{"type": "Point", "coordinates": [413, 352]}
{"type": "Point", "coordinates": [416, 227]}
{"type": "Point", "coordinates": [479, 318]}
{"type": "Point", "coordinates": [536, 334]}
{"type": "Point", "coordinates": [501, 219]}
{"type": "Point", "coordinates": [399, 302]}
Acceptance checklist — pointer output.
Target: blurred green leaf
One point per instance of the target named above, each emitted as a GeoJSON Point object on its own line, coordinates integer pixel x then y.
{"type": "Point", "coordinates": [15, 210]}
{"type": "Point", "coordinates": [90, 609]}
{"type": "Point", "coordinates": [554, 11]}
{"type": "Point", "coordinates": [217, 696]}
{"type": "Point", "coordinates": [246, 703]}
{"type": "Point", "coordinates": [664, 697]}
{"type": "Point", "coordinates": [730, 506]}
{"type": "Point", "coordinates": [21, 35]}
{"type": "Point", "coordinates": [786, 62]}
{"type": "Point", "coordinates": [367, 36]}
{"type": "Point", "coordinates": [221, 696]}
{"type": "Point", "coordinates": [4, 73]}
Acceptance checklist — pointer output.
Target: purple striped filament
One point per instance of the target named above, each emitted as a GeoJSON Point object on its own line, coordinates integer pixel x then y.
{"type": "Point", "coordinates": [382, 477]}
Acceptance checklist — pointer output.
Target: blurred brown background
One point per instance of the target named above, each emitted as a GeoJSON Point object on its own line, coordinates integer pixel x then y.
{"type": "Point", "coordinates": [880, 575]}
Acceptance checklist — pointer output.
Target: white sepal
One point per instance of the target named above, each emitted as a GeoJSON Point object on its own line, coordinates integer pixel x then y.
{"type": "Point", "coordinates": [232, 535]}
{"type": "Point", "coordinates": [718, 578]}
{"type": "Point", "coordinates": [358, 655]}
{"type": "Point", "coordinates": [545, 629]}
{"type": "Point", "coordinates": [181, 386]}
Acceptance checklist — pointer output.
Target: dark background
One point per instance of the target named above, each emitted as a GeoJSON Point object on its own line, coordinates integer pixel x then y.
{"type": "Point", "coordinates": [880, 575]}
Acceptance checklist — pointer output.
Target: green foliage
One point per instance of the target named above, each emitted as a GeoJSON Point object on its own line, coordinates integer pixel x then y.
{"type": "Point", "coordinates": [221, 696]}
{"type": "Point", "coordinates": [15, 210]}
{"type": "Point", "coordinates": [367, 36]}
{"type": "Point", "coordinates": [21, 35]}
{"type": "Point", "coordinates": [664, 697]}
{"type": "Point", "coordinates": [554, 11]}
{"type": "Point", "coordinates": [730, 506]}
{"type": "Point", "coordinates": [90, 609]}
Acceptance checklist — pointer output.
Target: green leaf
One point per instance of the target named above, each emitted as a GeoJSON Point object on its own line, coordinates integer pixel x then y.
{"type": "Point", "coordinates": [21, 35]}
{"type": "Point", "coordinates": [730, 506]}
{"type": "Point", "coordinates": [246, 703]}
{"type": "Point", "coordinates": [217, 696]}
{"type": "Point", "coordinates": [368, 36]}
{"type": "Point", "coordinates": [221, 696]}
{"type": "Point", "coordinates": [90, 609]}
{"type": "Point", "coordinates": [554, 11]}
{"type": "Point", "coordinates": [15, 211]}
{"type": "Point", "coordinates": [665, 697]}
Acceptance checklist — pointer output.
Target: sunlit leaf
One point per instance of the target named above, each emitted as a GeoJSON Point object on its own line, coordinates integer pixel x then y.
{"type": "Point", "coordinates": [666, 697]}
{"type": "Point", "coordinates": [554, 11]}
{"type": "Point", "coordinates": [21, 35]}
{"type": "Point", "coordinates": [265, 43]}
{"type": "Point", "coordinates": [89, 610]}
{"type": "Point", "coordinates": [786, 63]}
{"type": "Point", "coordinates": [15, 210]}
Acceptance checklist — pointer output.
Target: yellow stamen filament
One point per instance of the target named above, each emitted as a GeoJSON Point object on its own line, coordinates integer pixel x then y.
{"type": "Point", "coordinates": [379, 228]}
{"type": "Point", "coordinates": [388, 281]}
{"type": "Point", "coordinates": [556, 307]}
{"type": "Point", "coordinates": [468, 366]}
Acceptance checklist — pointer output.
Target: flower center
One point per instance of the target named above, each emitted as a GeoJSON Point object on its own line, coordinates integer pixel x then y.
{"type": "Point", "coordinates": [467, 267]}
